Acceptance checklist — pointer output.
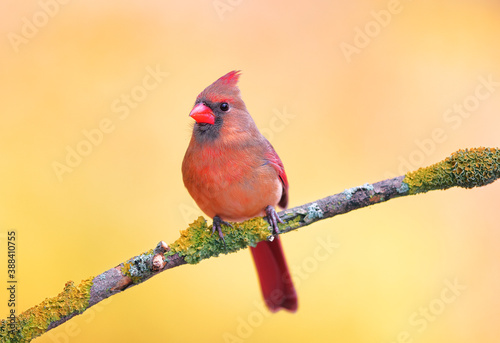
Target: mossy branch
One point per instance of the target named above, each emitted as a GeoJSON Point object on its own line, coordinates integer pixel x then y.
{"type": "Point", "coordinates": [465, 168]}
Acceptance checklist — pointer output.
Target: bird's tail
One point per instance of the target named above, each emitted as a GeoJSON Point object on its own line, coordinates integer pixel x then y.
{"type": "Point", "coordinates": [275, 282]}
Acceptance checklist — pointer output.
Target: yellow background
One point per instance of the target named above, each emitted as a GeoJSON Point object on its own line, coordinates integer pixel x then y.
{"type": "Point", "coordinates": [351, 120]}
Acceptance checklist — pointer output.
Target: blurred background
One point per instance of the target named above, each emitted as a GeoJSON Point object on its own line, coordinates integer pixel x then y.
{"type": "Point", "coordinates": [94, 124]}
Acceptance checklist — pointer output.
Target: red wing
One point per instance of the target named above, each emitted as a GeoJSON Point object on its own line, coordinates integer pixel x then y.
{"type": "Point", "coordinates": [275, 160]}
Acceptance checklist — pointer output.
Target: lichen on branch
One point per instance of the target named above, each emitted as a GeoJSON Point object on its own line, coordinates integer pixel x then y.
{"type": "Point", "coordinates": [465, 168]}
{"type": "Point", "coordinates": [197, 242]}
{"type": "Point", "coordinates": [51, 312]}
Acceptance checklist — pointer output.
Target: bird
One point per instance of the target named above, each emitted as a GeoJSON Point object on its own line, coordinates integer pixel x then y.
{"type": "Point", "coordinates": [233, 173]}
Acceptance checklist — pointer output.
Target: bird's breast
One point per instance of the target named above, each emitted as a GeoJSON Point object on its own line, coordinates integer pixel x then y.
{"type": "Point", "coordinates": [235, 185]}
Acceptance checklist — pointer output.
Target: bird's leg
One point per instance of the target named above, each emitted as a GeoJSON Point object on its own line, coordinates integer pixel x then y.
{"type": "Point", "coordinates": [217, 225]}
{"type": "Point", "coordinates": [273, 219]}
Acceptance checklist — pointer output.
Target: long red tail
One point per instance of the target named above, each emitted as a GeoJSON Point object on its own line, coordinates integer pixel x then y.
{"type": "Point", "coordinates": [275, 282]}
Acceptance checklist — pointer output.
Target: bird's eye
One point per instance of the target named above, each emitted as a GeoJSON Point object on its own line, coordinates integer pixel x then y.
{"type": "Point", "coordinates": [224, 106]}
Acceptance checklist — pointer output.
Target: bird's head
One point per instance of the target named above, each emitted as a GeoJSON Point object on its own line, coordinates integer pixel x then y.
{"type": "Point", "coordinates": [220, 107]}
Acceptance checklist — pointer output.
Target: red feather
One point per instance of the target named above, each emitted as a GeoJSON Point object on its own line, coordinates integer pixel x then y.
{"type": "Point", "coordinates": [224, 89]}
{"type": "Point", "coordinates": [230, 78]}
{"type": "Point", "coordinates": [280, 169]}
{"type": "Point", "coordinates": [275, 282]}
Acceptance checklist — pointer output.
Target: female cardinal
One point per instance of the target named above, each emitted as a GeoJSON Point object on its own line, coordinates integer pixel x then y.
{"type": "Point", "coordinates": [234, 174]}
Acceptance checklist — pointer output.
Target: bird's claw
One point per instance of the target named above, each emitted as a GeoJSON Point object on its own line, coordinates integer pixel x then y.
{"type": "Point", "coordinates": [217, 225]}
{"type": "Point", "coordinates": [273, 219]}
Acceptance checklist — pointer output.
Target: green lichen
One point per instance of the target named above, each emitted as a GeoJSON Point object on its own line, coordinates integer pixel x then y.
{"type": "Point", "coordinates": [197, 242]}
{"type": "Point", "coordinates": [313, 212]}
{"type": "Point", "coordinates": [139, 267]}
{"type": "Point", "coordinates": [35, 321]}
{"type": "Point", "coordinates": [465, 168]}
{"type": "Point", "coordinates": [350, 192]}
{"type": "Point", "coordinates": [403, 188]}
{"type": "Point", "coordinates": [292, 224]}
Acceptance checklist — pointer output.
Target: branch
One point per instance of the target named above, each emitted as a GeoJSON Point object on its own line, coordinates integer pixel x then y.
{"type": "Point", "coordinates": [465, 168]}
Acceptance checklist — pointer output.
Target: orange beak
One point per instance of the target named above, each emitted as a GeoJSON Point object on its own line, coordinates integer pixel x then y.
{"type": "Point", "coordinates": [202, 114]}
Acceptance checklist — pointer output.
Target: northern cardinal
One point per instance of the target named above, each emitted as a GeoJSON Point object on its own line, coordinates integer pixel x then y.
{"type": "Point", "coordinates": [234, 174]}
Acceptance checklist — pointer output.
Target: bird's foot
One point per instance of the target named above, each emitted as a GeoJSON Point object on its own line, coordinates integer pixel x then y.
{"type": "Point", "coordinates": [217, 225]}
{"type": "Point", "coordinates": [273, 219]}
